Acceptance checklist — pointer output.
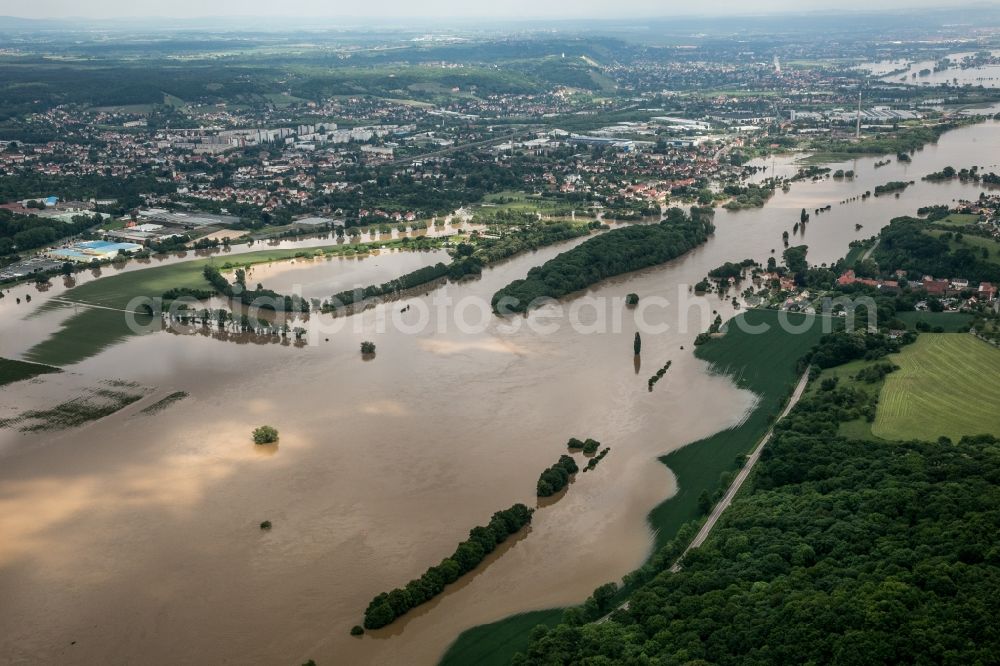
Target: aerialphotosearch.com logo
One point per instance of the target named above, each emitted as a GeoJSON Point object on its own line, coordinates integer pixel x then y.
{"type": "Point", "coordinates": [688, 313]}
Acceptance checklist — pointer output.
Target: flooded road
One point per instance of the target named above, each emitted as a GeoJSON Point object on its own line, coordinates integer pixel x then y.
{"type": "Point", "coordinates": [135, 539]}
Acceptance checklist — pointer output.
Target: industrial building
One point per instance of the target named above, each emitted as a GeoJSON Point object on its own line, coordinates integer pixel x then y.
{"type": "Point", "coordinates": [87, 251]}
{"type": "Point", "coordinates": [187, 220]}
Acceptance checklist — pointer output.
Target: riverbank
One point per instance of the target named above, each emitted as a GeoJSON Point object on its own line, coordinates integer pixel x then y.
{"type": "Point", "coordinates": [766, 364]}
{"type": "Point", "coordinates": [100, 305]}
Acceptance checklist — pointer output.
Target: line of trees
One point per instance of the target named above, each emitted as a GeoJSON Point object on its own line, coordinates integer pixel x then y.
{"type": "Point", "coordinates": [421, 276]}
{"type": "Point", "coordinates": [892, 186]}
{"type": "Point", "coordinates": [187, 292]}
{"type": "Point", "coordinates": [616, 252]}
{"type": "Point", "coordinates": [264, 299]}
{"type": "Point", "coordinates": [589, 447]}
{"type": "Point", "coordinates": [659, 374]}
{"type": "Point", "coordinates": [469, 259]}
{"type": "Point", "coordinates": [555, 478]}
{"type": "Point", "coordinates": [482, 541]}
{"type": "Point", "coordinates": [592, 463]}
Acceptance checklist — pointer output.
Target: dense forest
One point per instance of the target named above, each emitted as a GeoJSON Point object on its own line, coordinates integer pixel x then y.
{"type": "Point", "coordinates": [616, 252]}
{"type": "Point", "coordinates": [530, 237]}
{"type": "Point", "coordinates": [843, 552]}
{"type": "Point", "coordinates": [904, 245]}
{"type": "Point", "coordinates": [27, 232]}
{"type": "Point", "coordinates": [124, 190]}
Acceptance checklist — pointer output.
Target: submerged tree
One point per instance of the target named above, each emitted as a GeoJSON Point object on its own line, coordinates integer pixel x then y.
{"type": "Point", "coordinates": [265, 435]}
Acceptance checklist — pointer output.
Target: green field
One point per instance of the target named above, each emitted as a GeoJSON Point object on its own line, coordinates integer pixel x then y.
{"type": "Point", "coordinates": [855, 253]}
{"type": "Point", "coordinates": [495, 644]}
{"type": "Point", "coordinates": [958, 220]}
{"type": "Point", "coordinates": [14, 371]}
{"type": "Point", "coordinates": [975, 243]}
{"type": "Point", "coordinates": [764, 363]}
{"type": "Point", "coordinates": [117, 290]}
{"type": "Point", "coordinates": [947, 385]}
{"type": "Point", "coordinates": [84, 334]}
{"type": "Point", "coordinates": [951, 322]}
{"type": "Point", "coordinates": [530, 203]}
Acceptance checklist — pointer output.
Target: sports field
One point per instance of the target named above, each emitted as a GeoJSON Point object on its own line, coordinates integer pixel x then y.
{"type": "Point", "coordinates": [947, 384]}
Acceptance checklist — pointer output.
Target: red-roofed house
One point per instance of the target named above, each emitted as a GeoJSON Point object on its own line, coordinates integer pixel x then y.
{"type": "Point", "coordinates": [935, 287]}
{"type": "Point", "coordinates": [847, 278]}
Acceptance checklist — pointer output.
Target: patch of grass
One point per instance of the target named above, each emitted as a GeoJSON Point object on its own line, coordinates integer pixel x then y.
{"type": "Point", "coordinates": [958, 220]}
{"type": "Point", "coordinates": [765, 363]}
{"type": "Point", "coordinates": [951, 322]}
{"type": "Point", "coordinates": [94, 405]}
{"type": "Point", "coordinates": [14, 371]}
{"type": "Point", "coordinates": [140, 109]}
{"type": "Point", "coordinates": [163, 403]}
{"type": "Point", "coordinates": [855, 253]}
{"type": "Point", "coordinates": [946, 385]}
{"type": "Point", "coordinates": [83, 335]}
{"type": "Point", "coordinates": [525, 202]}
{"type": "Point", "coordinates": [975, 243]}
{"type": "Point", "coordinates": [494, 644]}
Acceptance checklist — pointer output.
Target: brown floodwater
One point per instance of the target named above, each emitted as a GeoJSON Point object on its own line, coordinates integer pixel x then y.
{"type": "Point", "coordinates": [987, 76]}
{"type": "Point", "coordinates": [136, 539]}
{"type": "Point", "coordinates": [322, 278]}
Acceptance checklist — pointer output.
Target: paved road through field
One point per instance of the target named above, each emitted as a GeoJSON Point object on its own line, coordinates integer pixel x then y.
{"type": "Point", "coordinates": [737, 483]}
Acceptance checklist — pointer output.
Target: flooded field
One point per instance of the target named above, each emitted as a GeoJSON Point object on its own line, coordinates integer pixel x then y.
{"type": "Point", "coordinates": [324, 278]}
{"type": "Point", "coordinates": [135, 538]}
{"type": "Point", "coordinates": [926, 73]}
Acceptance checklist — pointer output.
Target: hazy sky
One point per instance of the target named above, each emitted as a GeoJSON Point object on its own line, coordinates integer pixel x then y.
{"type": "Point", "coordinates": [620, 9]}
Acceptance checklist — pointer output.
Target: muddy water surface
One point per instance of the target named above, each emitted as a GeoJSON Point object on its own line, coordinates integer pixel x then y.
{"type": "Point", "coordinates": [136, 539]}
